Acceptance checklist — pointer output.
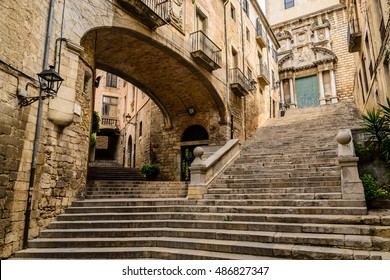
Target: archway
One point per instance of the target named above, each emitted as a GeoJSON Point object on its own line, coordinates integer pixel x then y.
{"type": "Point", "coordinates": [172, 81]}
{"type": "Point", "coordinates": [193, 136]}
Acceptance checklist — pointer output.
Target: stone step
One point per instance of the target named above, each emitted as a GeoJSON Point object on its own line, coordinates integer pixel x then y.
{"type": "Point", "coordinates": [315, 210]}
{"type": "Point", "coordinates": [134, 253]}
{"type": "Point", "coordinates": [106, 237]}
{"type": "Point", "coordinates": [280, 174]}
{"type": "Point", "coordinates": [190, 216]}
{"type": "Point", "coordinates": [133, 202]}
{"type": "Point", "coordinates": [272, 181]}
{"type": "Point", "coordinates": [289, 167]}
{"type": "Point", "coordinates": [327, 186]}
{"type": "Point", "coordinates": [289, 251]}
{"type": "Point", "coordinates": [132, 195]}
{"type": "Point", "coordinates": [284, 202]}
{"type": "Point", "coordinates": [251, 196]}
{"type": "Point", "coordinates": [119, 228]}
{"type": "Point", "coordinates": [294, 192]}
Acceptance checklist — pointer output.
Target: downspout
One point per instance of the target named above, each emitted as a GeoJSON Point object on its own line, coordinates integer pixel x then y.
{"type": "Point", "coordinates": [243, 61]}
{"type": "Point", "coordinates": [37, 128]}
{"type": "Point", "coordinates": [269, 86]}
{"type": "Point", "coordinates": [227, 72]}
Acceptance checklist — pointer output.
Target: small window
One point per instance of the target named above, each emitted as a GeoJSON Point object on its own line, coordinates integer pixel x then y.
{"type": "Point", "coordinates": [288, 4]}
{"type": "Point", "coordinates": [110, 106]}
{"type": "Point", "coordinates": [246, 6]}
{"type": "Point", "coordinates": [111, 80]}
{"type": "Point", "coordinates": [248, 34]}
{"type": "Point", "coordinates": [201, 21]}
{"type": "Point", "coordinates": [140, 129]}
{"type": "Point", "coordinates": [233, 12]}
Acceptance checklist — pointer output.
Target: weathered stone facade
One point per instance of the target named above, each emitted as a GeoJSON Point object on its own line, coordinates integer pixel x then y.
{"type": "Point", "coordinates": [370, 45]}
{"type": "Point", "coordinates": [104, 34]}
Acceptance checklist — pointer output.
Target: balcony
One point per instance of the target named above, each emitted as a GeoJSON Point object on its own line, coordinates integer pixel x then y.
{"type": "Point", "coordinates": [354, 36]}
{"type": "Point", "coordinates": [260, 34]}
{"type": "Point", "coordinates": [108, 122]}
{"type": "Point", "coordinates": [152, 13]}
{"type": "Point", "coordinates": [239, 84]}
{"type": "Point", "coordinates": [263, 75]}
{"type": "Point", "coordinates": [205, 52]}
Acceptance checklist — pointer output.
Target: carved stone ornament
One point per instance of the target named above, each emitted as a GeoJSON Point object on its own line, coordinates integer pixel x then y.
{"type": "Point", "coordinates": [176, 14]}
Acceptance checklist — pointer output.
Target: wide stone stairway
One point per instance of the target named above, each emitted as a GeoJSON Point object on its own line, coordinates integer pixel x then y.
{"type": "Point", "coordinates": [280, 199]}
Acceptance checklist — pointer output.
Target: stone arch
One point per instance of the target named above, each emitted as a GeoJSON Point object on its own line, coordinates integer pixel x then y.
{"type": "Point", "coordinates": [173, 85]}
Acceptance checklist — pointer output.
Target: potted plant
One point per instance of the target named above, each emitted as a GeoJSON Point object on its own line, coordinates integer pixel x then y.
{"type": "Point", "coordinates": [150, 171]}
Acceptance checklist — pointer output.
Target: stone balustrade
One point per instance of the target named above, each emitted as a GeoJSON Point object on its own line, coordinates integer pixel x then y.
{"type": "Point", "coordinates": [204, 171]}
{"type": "Point", "coordinates": [352, 187]}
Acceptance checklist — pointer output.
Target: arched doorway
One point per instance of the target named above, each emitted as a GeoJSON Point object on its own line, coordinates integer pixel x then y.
{"type": "Point", "coordinates": [193, 136]}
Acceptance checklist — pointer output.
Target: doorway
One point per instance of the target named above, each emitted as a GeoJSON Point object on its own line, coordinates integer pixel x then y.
{"type": "Point", "coordinates": [193, 137]}
{"type": "Point", "coordinates": [307, 92]}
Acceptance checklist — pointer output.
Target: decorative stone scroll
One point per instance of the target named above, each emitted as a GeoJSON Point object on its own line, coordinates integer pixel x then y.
{"type": "Point", "coordinates": [176, 12]}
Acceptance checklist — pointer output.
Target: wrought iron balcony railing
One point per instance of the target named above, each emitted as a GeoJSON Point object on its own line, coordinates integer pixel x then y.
{"type": "Point", "coordinates": [354, 36]}
{"type": "Point", "coordinates": [239, 83]}
{"type": "Point", "coordinates": [204, 51]}
{"type": "Point", "coordinates": [260, 34]}
{"type": "Point", "coordinates": [152, 13]}
{"type": "Point", "coordinates": [263, 75]}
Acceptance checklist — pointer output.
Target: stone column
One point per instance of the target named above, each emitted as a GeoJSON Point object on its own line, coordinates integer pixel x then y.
{"type": "Point", "coordinates": [282, 93]}
{"type": "Point", "coordinates": [292, 94]}
{"type": "Point", "coordinates": [321, 88]}
{"type": "Point", "coordinates": [333, 87]}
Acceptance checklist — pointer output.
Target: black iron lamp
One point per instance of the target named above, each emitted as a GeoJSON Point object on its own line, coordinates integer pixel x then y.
{"type": "Point", "coordinates": [49, 84]}
{"type": "Point", "coordinates": [50, 81]}
{"type": "Point", "coordinates": [128, 118]}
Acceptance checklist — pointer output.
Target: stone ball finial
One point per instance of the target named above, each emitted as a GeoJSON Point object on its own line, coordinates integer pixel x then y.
{"type": "Point", "coordinates": [198, 152]}
{"type": "Point", "coordinates": [343, 137]}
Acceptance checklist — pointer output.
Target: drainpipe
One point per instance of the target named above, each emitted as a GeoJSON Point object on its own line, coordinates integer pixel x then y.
{"type": "Point", "coordinates": [243, 60]}
{"type": "Point", "coordinates": [227, 72]}
{"type": "Point", "coordinates": [37, 128]}
{"type": "Point", "coordinates": [270, 86]}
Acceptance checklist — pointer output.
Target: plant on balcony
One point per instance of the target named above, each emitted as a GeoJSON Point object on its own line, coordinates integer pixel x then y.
{"type": "Point", "coordinates": [150, 171]}
{"type": "Point", "coordinates": [95, 122]}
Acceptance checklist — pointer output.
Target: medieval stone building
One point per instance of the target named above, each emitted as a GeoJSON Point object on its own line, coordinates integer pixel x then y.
{"type": "Point", "coordinates": [315, 67]}
{"type": "Point", "coordinates": [209, 67]}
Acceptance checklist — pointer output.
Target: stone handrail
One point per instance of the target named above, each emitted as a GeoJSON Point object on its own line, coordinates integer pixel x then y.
{"type": "Point", "coordinates": [203, 172]}
{"type": "Point", "coordinates": [352, 187]}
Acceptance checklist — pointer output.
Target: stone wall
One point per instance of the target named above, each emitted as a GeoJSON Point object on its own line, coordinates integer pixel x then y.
{"type": "Point", "coordinates": [175, 85]}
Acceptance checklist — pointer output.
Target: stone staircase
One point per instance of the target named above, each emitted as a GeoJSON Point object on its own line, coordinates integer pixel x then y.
{"type": "Point", "coordinates": [281, 199]}
{"type": "Point", "coordinates": [112, 171]}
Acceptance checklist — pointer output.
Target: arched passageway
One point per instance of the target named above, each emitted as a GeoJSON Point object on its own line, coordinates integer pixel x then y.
{"type": "Point", "coordinates": [173, 83]}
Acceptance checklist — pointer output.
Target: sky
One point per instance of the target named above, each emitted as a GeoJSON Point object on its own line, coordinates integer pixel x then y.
{"type": "Point", "coordinates": [262, 4]}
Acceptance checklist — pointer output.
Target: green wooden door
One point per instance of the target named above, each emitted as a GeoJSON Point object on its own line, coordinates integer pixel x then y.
{"type": "Point", "coordinates": [307, 92]}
